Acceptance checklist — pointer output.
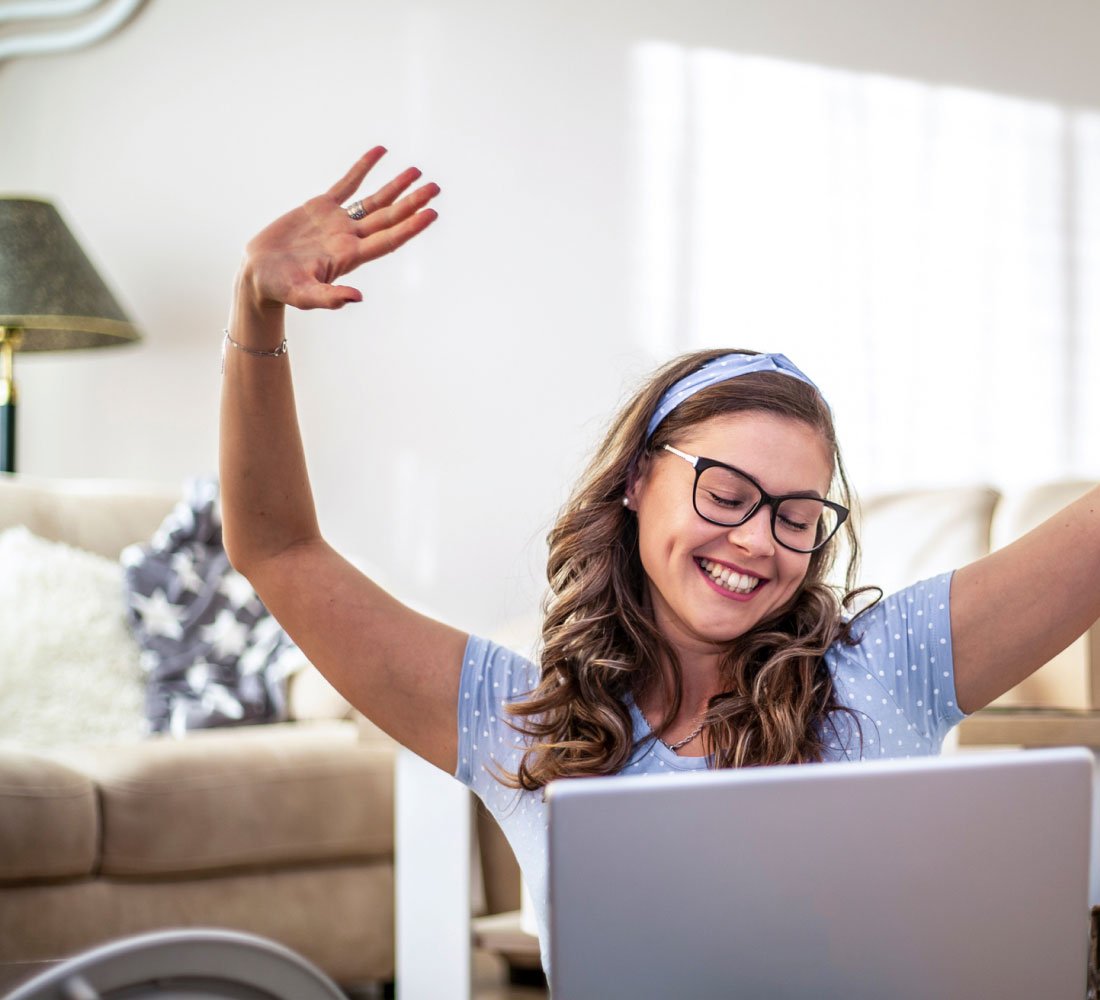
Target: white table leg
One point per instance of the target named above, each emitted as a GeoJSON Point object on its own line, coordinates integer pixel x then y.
{"type": "Point", "coordinates": [432, 847]}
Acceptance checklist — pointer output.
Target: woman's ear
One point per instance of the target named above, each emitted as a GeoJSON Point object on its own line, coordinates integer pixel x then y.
{"type": "Point", "coordinates": [635, 481]}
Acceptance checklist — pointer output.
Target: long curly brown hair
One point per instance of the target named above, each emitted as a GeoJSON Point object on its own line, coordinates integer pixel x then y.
{"type": "Point", "coordinates": [599, 640]}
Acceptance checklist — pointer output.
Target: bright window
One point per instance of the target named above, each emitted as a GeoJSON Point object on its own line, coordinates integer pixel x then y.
{"type": "Point", "coordinates": [929, 255]}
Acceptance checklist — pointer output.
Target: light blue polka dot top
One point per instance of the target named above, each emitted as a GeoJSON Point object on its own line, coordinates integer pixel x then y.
{"type": "Point", "coordinates": [899, 680]}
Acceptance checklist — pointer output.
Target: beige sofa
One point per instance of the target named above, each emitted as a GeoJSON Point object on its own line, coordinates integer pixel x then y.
{"type": "Point", "coordinates": [284, 830]}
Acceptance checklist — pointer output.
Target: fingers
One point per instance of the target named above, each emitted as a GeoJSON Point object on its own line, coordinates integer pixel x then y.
{"type": "Point", "coordinates": [387, 195]}
{"type": "Point", "coordinates": [390, 222]}
{"type": "Point", "coordinates": [384, 198]}
{"type": "Point", "coordinates": [387, 217]}
{"type": "Point", "coordinates": [387, 240]}
{"type": "Point", "coordinates": [349, 183]}
{"type": "Point", "coordinates": [321, 296]}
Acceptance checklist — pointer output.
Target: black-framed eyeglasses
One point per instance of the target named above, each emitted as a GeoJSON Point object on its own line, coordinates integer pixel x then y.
{"type": "Point", "coordinates": [726, 496]}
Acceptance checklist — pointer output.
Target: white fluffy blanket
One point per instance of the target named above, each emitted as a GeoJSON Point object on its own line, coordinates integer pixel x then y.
{"type": "Point", "coordinates": [69, 668]}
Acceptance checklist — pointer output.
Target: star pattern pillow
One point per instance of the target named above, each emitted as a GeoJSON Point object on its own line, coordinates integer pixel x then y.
{"type": "Point", "coordinates": [211, 653]}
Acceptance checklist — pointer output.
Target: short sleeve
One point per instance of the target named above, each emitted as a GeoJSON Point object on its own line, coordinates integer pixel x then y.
{"type": "Point", "coordinates": [900, 676]}
{"type": "Point", "coordinates": [492, 676]}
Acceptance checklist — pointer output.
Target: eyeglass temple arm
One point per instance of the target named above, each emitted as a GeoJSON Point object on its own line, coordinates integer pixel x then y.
{"type": "Point", "coordinates": [692, 459]}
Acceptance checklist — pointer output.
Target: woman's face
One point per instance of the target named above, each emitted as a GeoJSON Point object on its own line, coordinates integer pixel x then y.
{"type": "Point", "coordinates": [682, 554]}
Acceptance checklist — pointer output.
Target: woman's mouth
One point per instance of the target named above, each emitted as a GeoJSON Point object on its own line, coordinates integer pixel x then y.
{"type": "Point", "coordinates": [728, 579]}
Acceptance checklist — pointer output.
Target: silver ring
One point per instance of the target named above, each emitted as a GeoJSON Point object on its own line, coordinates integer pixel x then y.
{"type": "Point", "coordinates": [356, 210]}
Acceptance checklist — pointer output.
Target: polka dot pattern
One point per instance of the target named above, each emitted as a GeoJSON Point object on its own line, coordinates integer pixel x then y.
{"type": "Point", "coordinates": [898, 680]}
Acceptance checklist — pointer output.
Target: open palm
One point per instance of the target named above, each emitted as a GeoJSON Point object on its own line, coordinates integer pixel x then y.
{"type": "Point", "coordinates": [298, 258]}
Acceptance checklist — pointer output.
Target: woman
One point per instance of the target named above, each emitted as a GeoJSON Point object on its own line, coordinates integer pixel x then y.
{"type": "Point", "coordinates": [688, 624]}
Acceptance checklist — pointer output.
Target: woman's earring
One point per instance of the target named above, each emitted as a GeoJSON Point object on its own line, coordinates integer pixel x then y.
{"type": "Point", "coordinates": [626, 501]}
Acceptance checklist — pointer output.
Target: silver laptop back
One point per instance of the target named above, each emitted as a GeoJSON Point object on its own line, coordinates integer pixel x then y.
{"type": "Point", "coordinates": [958, 877]}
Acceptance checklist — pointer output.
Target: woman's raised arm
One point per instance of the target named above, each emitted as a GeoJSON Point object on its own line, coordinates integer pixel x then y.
{"type": "Point", "coordinates": [399, 668]}
{"type": "Point", "coordinates": [1015, 609]}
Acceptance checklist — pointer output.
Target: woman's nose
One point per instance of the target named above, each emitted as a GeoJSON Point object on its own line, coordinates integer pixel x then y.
{"type": "Point", "coordinates": [755, 534]}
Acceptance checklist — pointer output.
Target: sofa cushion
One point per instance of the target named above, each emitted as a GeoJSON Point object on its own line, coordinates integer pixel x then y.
{"type": "Point", "coordinates": [1021, 510]}
{"type": "Point", "coordinates": [96, 515]}
{"type": "Point", "coordinates": [310, 696]}
{"type": "Point", "coordinates": [910, 536]}
{"type": "Point", "coordinates": [49, 823]}
{"type": "Point", "coordinates": [69, 669]}
{"type": "Point", "coordinates": [241, 799]}
{"type": "Point", "coordinates": [213, 654]}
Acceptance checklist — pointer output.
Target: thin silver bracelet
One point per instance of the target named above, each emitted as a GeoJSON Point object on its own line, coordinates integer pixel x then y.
{"type": "Point", "coordinates": [277, 353]}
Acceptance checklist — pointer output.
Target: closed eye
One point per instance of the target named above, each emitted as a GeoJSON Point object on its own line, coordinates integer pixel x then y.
{"type": "Point", "coordinates": [730, 502]}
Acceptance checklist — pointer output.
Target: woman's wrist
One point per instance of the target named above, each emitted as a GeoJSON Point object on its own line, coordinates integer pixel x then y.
{"type": "Point", "coordinates": [251, 291]}
{"type": "Point", "coordinates": [256, 320]}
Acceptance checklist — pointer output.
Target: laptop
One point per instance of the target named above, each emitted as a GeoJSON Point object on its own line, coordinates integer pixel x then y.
{"type": "Point", "coordinates": [956, 877]}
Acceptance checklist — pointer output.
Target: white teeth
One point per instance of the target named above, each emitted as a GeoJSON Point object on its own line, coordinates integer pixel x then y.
{"type": "Point", "coordinates": [727, 578]}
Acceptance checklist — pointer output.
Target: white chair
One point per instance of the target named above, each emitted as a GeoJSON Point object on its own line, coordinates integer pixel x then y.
{"type": "Point", "coordinates": [183, 965]}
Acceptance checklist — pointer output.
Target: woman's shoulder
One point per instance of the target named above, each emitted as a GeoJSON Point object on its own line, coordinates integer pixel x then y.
{"type": "Point", "coordinates": [903, 612]}
{"type": "Point", "coordinates": [896, 672]}
{"type": "Point", "coordinates": [511, 673]}
{"type": "Point", "coordinates": [906, 632]}
{"type": "Point", "coordinates": [493, 676]}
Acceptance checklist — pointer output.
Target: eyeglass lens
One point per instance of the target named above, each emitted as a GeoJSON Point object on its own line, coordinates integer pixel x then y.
{"type": "Point", "coordinates": [801, 523]}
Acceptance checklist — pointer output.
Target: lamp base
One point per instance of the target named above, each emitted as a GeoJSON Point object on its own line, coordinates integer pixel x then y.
{"type": "Point", "coordinates": [10, 339]}
{"type": "Point", "coordinates": [7, 436]}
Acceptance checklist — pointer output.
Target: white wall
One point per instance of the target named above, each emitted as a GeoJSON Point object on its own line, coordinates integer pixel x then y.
{"type": "Point", "coordinates": [169, 145]}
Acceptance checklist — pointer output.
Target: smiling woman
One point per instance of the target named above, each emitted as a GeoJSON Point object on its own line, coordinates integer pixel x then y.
{"type": "Point", "coordinates": [689, 624]}
{"type": "Point", "coordinates": [655, 619]}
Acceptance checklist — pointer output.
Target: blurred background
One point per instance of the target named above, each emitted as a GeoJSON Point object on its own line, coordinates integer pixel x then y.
{"type": "Point", "coordinates": [902, 197]}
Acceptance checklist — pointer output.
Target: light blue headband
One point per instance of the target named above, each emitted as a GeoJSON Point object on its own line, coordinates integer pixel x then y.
{"type": "Point", "coordinates": [721, 370]}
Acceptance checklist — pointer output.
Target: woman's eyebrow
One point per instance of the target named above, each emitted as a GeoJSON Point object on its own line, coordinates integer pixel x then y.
{"type": "Point", "coordinates": [794, 494]}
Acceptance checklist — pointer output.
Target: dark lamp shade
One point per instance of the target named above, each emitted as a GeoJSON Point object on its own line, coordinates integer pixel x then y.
{"type": "Point", "coordinates": [48, 287]}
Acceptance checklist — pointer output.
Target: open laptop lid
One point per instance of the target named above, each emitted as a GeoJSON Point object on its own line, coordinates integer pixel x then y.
{"type": "Point", "coordinates": [963, 876]}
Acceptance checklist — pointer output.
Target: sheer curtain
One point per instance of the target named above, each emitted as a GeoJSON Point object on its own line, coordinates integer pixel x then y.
{"type": "Point", "coordinates": [930, 255]}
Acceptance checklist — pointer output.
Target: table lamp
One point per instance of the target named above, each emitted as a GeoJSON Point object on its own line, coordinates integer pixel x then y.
{"type": "Point", "coordinates": [51, 299]}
